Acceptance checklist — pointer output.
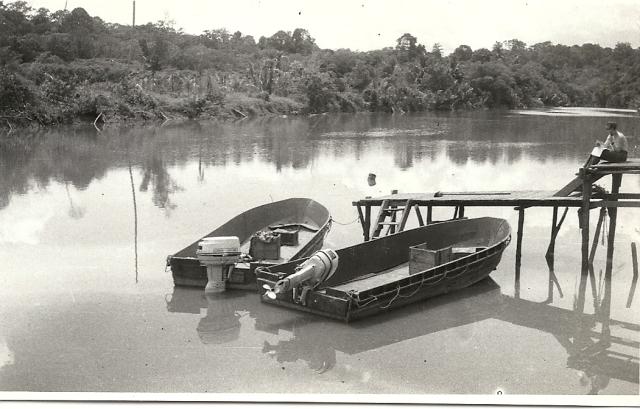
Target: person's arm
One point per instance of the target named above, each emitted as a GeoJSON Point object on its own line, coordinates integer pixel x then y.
{"type": "Point", "coordinates": [608, 143]}
{"type": "Point", "coordinates": [622, 144]}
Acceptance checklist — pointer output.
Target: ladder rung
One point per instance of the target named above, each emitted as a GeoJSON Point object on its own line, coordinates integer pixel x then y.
{"type": "Point", "coordinates": [390, 223]}
{"type": "Point", "coordinates": [395, 209]}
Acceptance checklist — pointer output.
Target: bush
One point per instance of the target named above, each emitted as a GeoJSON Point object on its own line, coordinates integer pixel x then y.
{"type": "Point", "coordinates": [15, 92]}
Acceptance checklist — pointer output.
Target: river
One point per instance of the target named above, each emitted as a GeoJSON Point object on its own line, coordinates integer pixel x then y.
{"type": "Point", "coordinates": [87, 220]}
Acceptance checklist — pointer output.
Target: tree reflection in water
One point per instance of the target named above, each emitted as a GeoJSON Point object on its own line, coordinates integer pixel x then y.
{"type": "Point", "coordinates": [155, 173]}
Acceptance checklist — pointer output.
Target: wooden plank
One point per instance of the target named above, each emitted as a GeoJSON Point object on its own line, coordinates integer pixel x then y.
{"type": "Point", "coordinates": [623, 196]}
{"type": "Point", "coordinates": [405, 215]}
{"type": "Point", "coordinates": [615, 203]}
{"type": "Point", "coordinates": [376, 280]}
{"type": "Point", "coordinates": [631, 163]}
{"type": "Point", "coordinates": [440, 194]}
{"type": "Point", "coordinates": [618, 172]}
{"type": "Point", "coordinates": [419, 215]}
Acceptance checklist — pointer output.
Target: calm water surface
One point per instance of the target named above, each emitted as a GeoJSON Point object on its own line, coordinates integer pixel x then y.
{"type": "Point", "coordinates": [87, 221]}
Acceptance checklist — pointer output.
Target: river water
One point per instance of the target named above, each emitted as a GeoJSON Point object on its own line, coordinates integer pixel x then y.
{"type": "Point", "coordinates": [87, 220]}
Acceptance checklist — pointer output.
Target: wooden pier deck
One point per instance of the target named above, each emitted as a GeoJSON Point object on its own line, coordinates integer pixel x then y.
{"type": "Point", "coordinates": [395, 209]}
{"type": "Point", "coordinates": [526, 198]}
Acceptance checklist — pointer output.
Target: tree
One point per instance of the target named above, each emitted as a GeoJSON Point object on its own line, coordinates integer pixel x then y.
{"type": "Point", "coordinates": [302, 42]}
{"type": "Point", "coordinates": [406, 42]}
{"type": "Point", "coordinates": [80, 26]}
{"type": "Point", "coordinates": [281, 41]}
{"type": "Point", "coordinates": [408, 49]}
{"type": "Point", "coordinates": [42, 21]}
{"type": "Point", "coordinates": [481, 55]}
{"type": "Point", "coordinates": [218, 38]}
{"type": "Point", "coordinates": [14, 91]}
{"type": "Point", "coordinates": [437, 50]}
{"type": "Point", "coordinates": [462, 53]}
{"type": "Point", "coordinates": [78, 22]}
{"type": "Point", "coordinates": [158, 53]}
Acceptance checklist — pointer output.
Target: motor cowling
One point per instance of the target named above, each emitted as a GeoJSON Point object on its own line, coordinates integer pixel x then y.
{"type": "Point", "coordinates": [313, 271]}
{"type": "Point", "coordinates": [218, 255]}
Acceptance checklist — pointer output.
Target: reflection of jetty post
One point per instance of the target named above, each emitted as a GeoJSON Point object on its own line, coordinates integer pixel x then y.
{"type": "Point", "coordinates": [569, 196]}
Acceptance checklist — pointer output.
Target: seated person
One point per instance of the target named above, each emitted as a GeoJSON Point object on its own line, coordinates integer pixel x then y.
{"type": "Point", "coordinates": [614, 148]}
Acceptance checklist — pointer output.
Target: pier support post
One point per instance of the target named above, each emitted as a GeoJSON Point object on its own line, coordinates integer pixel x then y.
{"type": "Point", "coordinates": [366, 227]}
{"type": "Point", "coordinates": [550, 254]}
{"type": "Point", "coordinates": [596, 236]}
{"type": "Point", "coordinates": [552, 242]}
{"type": "Point", "coordinates": [584, 223]}
{"type": "Point", "coordinates": [519, 250]}
{"type": "Point", "coordinates": [419, 215]}
{"type": "Point", "coordinates": [362, 221]}
{"type": "Point", "coordinates": [613, 216]}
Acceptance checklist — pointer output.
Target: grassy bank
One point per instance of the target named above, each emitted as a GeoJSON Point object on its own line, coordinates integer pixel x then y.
{"type": "Point", "coordinates": [108, 91]}
{"type": "Point", "coordinates": [68, 66]}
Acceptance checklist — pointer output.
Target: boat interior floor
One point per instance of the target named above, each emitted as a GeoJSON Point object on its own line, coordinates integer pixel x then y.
{"type": "Point", "coordinates": [375, 279]}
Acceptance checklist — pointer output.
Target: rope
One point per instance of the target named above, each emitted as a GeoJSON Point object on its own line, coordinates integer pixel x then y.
{"type": "Point", "coordinates": [355, 297]}
{"type": "Point", "coordinates": [345, 224]}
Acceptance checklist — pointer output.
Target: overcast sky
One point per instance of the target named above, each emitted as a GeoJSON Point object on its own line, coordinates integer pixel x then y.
{"type": "Point", "coordinates": [373, 24]}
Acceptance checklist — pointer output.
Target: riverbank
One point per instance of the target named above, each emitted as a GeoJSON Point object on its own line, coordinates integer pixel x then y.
{"type": "Point", "coordinates": [67, 66]}
{"type": "Point", "coordinates": [106, 92]}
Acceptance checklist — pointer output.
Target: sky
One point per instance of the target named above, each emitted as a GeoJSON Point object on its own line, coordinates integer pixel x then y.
{"type": "Point", "coordinates": [373, 24]}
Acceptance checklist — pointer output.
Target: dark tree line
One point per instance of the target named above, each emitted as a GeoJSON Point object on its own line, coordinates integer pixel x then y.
{"type": "Point", "coordinates": [56, 66]}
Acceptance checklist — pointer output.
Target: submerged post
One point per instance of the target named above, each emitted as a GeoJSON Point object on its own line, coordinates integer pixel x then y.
{"type": "Point", "coordinates": [519, 250]}
{"type": "Point", "coordinates": [634, 280]}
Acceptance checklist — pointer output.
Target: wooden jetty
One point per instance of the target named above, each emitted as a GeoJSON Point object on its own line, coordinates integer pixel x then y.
{"type": "Point", "coordinates": [393, 211]}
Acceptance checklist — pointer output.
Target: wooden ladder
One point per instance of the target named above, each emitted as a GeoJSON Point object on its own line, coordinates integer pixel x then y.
{"type": "Point", "coordinates": [387, 210]}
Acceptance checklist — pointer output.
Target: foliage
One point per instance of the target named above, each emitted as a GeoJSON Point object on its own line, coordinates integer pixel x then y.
{"type": "Point", "coordinates": [67, 63]}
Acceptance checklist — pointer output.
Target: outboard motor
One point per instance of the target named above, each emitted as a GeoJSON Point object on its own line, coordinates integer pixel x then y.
{"type": "Point", "coordinates": [219, 255]}
{"type": "Point", "coordinates": [313, 271]}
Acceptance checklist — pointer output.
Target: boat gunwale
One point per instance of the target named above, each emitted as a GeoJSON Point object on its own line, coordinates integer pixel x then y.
{"type": "Point", "coordinates": [321, 226]}
{"type": "Point", "coordinates": [382, 293]}
{"type": "Point", "coordinates": [187, 271]}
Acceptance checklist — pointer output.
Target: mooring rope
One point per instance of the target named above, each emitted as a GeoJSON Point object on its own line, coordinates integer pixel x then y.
{"type": "Point", "coordinates": [345, 224]}
{"type": "Point", "coordinates": [355, 297]}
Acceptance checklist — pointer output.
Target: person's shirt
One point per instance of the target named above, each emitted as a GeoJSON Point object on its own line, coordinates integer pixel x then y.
{"type": "Point", "coordinates": [617, 142]}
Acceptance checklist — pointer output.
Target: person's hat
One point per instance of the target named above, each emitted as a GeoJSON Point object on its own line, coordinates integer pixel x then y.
{"type": "Point", "coordinates": [612, 125]}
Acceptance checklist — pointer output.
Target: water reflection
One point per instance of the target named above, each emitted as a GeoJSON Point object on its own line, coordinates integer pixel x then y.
{"type": "Point", "coordinates": [590, 346]}
{"type": "Point", "coordinates": [78, 156]}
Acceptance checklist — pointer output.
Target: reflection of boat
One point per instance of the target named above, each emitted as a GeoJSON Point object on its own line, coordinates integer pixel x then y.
{"type": "Point", "coordinates": [317, 341]}
{"type": "Point", "coordinates": [221, 313]}
{"type": "Point", "coordinates": [309, 219]}
{"type": "Point", "coordinates": [390, 271]}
